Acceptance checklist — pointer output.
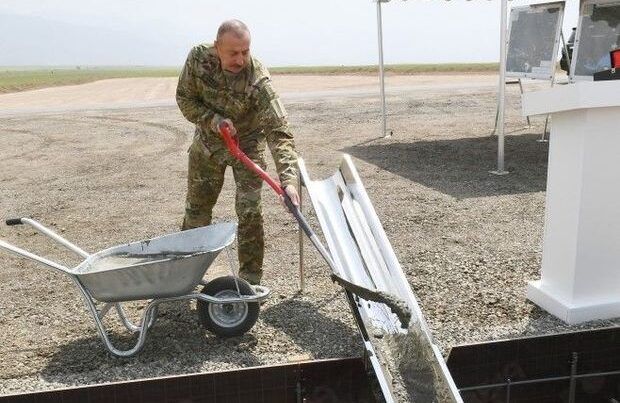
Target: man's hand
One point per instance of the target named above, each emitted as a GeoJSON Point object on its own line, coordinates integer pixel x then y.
{"type": "Point", "coordinates": [291, 191]}
{"type": "Point", "coordinates": [219, 121]}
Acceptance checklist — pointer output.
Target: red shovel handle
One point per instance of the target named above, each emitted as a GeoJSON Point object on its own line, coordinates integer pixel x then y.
{"type": "Point", "coordinates": [234, 150]}
{"type": "Point", "coordinates": [233, 147]}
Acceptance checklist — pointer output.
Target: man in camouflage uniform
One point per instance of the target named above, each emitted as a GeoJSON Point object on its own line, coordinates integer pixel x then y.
{"type": "Point", "coordinates": [224, 83]}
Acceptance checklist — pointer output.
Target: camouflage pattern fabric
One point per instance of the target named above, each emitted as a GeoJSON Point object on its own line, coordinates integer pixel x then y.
{"type": "Point", "coordinates": [248, 99]}
{"type": "Point", "coordinates": [204, 183]}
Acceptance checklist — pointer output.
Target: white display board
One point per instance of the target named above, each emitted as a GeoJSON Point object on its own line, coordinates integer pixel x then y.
{"type": "Point", "coordinates": [533, 40]}
{"type": "Point", "coordinates": [598, 32]}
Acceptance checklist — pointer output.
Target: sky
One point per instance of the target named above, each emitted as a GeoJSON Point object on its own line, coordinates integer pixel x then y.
{"type": "Point", "coordinates": [284, 33]}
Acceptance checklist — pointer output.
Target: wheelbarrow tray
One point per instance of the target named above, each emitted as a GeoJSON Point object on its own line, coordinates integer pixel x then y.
{"type": "Point", "coordinates": [166, 266]}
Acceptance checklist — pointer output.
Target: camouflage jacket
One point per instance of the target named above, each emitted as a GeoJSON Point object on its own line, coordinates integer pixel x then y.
{"type": "Point", "coordinates": [257, 112]}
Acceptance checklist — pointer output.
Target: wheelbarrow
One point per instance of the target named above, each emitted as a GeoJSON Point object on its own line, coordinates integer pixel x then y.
{"type": "Point", "coordinates": [162, 269]}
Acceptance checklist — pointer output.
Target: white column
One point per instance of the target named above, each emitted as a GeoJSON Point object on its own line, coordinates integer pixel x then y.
{"type": "Point", "coordinates": [580, 276]}
{"type": "Point", "coordinates": [381, 73]}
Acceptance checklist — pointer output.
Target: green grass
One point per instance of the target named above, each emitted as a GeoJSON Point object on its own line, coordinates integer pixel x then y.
{"type": "Point", "coordinates": [13, 79]}
{"type": "Point", "coordinates": [391, 68]}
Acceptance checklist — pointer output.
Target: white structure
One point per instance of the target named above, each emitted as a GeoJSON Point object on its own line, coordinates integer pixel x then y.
{"type": "Point", "coordinates": [580, 276]}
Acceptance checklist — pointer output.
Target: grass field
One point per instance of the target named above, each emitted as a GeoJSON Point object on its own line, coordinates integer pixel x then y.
{"type": "Point", "coordinates": [390, 68]}
{"type": "Point", "coordinates": [22, 79]}
{"type": "Point", "coordinates": [14, 79]}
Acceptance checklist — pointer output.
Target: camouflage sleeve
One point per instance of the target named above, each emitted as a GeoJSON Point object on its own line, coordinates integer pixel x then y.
{"type": "Point", "coordinates": [188, 97]}
{"type": "Point", "coordinates": [272, 117]}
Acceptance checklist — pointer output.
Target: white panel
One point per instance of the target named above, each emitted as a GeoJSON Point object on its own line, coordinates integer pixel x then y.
{"type": "Point", "coordinates": [533, 40]}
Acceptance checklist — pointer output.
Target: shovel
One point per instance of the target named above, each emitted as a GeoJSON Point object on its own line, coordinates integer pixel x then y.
{"type": "Point", "coordinates": [398, 307]}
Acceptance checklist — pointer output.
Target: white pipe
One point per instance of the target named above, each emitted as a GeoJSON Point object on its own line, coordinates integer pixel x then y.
{"type": "Point", "coordinates": [502, 87]}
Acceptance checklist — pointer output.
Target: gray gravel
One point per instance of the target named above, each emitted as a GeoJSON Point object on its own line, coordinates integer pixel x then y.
{"type": "Point", "coordinates": [468, 241]}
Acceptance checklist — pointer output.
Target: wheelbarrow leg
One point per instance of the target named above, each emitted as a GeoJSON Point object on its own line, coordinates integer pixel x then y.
{"type": "Point", "coordinates": [147, 318]}
{"type": "Point", "coordinates": [104, 311]}
{"type": "Point", "coordinates": [129, 325]}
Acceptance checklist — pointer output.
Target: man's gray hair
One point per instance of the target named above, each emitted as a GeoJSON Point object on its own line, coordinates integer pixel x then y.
{"type": "Point", "coordinates": [235, 26]}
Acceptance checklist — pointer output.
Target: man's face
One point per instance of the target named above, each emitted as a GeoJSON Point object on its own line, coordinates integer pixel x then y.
{"type": "Point", "coordinates": [233, 51]}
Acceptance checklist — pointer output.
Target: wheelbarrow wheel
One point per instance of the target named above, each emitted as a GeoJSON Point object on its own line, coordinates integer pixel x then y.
{"type": "Point", "coordinates": [228, 320]}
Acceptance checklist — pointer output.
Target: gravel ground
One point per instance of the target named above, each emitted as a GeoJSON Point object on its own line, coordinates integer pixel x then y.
{"type": "Point", "coordinates": [468, 241]}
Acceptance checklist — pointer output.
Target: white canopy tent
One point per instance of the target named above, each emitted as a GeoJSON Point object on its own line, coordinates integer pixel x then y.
{"type": "Point", "coordinates": [502, 81]}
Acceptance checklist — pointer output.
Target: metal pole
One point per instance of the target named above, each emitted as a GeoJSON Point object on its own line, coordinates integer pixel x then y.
{"type": "Point", "coordinates": [573, 381]}
{"type": "Point", "coordinates": [496, 116]}
{"type": "Point", "coordinates": [508, 390]}
{"type": "Point", "coordinates": [381, 73]}
{"type": "Point", "coordinates": [527, 118]}
{"type": "Point", "coordinates": [521, 89]}
{"type": "Point", "coordinates": [301, 236]}
{"type": "Point", "coordinates": [502, 90]}
{"type": "Point", "coordinates": [565, 46]}
{"type": "Point", "coordinates": [544, 133]}
{"type": "Point", "coordinates": [299, 394]}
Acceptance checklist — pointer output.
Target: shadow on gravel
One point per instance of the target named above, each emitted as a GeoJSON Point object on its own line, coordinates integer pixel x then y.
{"type": "Point", "coordinates": [460, 167]}
{"type": "Point", "coordinates": [176, 344]}
{"type": "Point", "coordinates": [315, 332]}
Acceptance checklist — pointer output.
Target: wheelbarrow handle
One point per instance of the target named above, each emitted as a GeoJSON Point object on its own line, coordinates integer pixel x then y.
{"type": "Point", "coordinates": [24, 253]}
{"type": "Point", "coordinates": [49, 233]}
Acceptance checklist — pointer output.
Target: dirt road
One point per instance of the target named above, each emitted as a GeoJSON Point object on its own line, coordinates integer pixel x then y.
{"type": "Point", "coordinates": [153, 92]}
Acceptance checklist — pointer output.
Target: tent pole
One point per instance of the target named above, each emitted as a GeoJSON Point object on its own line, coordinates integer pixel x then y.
{"type": "Point", "coordinates": [502, 90]}
{"type": "Point", "coordinates": [381, 73]}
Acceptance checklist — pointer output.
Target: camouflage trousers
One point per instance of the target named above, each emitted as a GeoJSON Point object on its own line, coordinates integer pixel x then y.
{"type": "Point", "coordinates": [204, 182]}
